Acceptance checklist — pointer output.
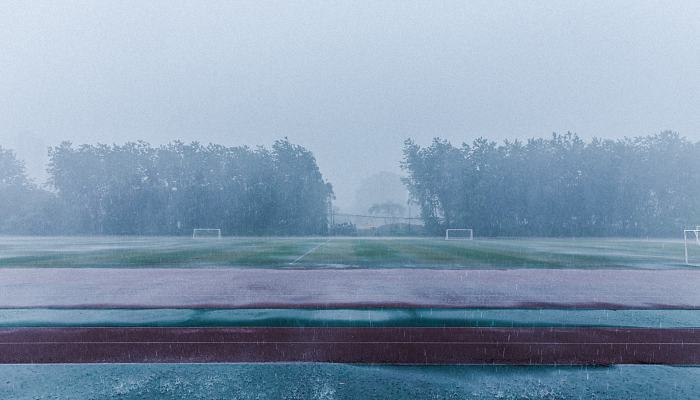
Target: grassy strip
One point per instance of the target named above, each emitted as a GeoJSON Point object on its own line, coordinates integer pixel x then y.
{"type": "Point", "coordinates": [343, 252]}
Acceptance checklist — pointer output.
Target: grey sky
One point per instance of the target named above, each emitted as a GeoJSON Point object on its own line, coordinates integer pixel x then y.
{"type": "Point", "coordinates": [348, 80]}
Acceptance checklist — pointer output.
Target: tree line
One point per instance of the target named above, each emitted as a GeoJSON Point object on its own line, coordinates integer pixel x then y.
{"type": "Point", "coordinates": [136, 188]}
{"type": "Point", "coordinates": [555, 186]}
{"type": "Point", "coordinates": [558, 186]}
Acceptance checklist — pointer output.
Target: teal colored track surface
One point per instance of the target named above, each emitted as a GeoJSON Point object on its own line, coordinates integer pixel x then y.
{"type": "Point", "coordinates": [10, 318]}
{"type": "Point", "coordinates": [337, 381]}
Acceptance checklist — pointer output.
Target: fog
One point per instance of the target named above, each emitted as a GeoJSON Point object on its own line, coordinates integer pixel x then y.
{"type": "Point", "coordinates": [348, 81]}
{"type": "Point", "coordinates": [349, 199]}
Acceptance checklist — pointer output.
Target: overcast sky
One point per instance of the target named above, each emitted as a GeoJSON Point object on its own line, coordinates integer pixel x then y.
{"type": "Point", "coordinates": [348, 80]}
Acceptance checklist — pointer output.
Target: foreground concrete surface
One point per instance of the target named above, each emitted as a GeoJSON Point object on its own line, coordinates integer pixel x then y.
{"type": "Point", "coordinates": [349, 288]}
{"type": "Point", "coordinates": [338, 381]}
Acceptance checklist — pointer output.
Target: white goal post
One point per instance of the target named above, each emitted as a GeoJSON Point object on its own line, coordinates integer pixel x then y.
{"type": "Point", "coordinates": [459, 234]}
{"type": "Point", "coordinates": [206, 233]}
{"type": "Point", "coordinates": [693, 234]}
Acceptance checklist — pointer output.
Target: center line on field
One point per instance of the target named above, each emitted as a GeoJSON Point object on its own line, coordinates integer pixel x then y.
{"type": "Point", "coordinates": [308, 252]}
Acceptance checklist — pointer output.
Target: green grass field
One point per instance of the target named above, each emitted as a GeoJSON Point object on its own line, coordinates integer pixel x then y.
{"type": "Point", "coordinates": [180, 252]}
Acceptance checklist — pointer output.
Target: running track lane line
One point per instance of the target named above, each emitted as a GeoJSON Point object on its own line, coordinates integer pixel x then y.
{"type": "Point", "coordinates": [308, 252]}
{"type": "Point", "coordinates": [515, 346]}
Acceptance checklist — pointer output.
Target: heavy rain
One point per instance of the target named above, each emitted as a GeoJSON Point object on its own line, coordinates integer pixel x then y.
{"type": "Point", "coordinates": [348, 200]}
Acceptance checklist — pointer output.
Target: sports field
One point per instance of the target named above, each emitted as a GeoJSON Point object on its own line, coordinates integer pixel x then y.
{"type": "Point", "coordinates": [333, 309]}
{"type": "Point", "coordinates": [319, 252]}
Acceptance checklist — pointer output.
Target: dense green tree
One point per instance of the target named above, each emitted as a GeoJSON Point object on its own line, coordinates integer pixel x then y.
{"type": "Point", "coordinates": [24, 208]}
{"type": "Point", "coordinates": [138, 189]}
{"type": "Point", "coordinates": [559, 186]}
{"type": "Point", "coordinates": [12, 171]}
{"type": "Point", "coordinates": [556, 186]}
{"type": "Point", "coordinates": [387, 208]}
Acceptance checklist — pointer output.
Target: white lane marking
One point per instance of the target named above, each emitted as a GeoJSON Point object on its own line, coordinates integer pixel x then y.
{"type": "Point", "coordinates": [308, 252]}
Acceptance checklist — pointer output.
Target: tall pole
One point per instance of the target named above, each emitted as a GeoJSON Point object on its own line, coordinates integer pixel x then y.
{"type": "Point", "coordinates": [330, 216]}
{"type": "Point", "coordinates": [409, 216]}
{"type": "Point", "coordinates": [685, 244]}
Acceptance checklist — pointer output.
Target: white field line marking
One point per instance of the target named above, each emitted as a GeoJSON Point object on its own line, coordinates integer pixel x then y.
{"type": "Point", "coordinates": [308, 252]}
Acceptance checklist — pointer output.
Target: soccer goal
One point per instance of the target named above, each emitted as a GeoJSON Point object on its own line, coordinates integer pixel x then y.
{"type": "Point", "coordinates": [206, 233]}
{"type": "Point", "coordinates": [459, 234]}
{"type": "Point", "coordinates": [690, 235]}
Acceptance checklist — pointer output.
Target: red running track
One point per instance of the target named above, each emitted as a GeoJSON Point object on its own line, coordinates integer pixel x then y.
{"type": "Point", "coordinates": [250, 288]}
{"type": "Point", "coordinates": [352, 345]}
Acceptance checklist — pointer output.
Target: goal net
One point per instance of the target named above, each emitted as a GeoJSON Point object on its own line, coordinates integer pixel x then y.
{"type": "Point", "coordinates": [691, 242]}
{"type": "Point", "coordinates": [459, 234]}
{"type": "Point", "coordinates": [206, 233]}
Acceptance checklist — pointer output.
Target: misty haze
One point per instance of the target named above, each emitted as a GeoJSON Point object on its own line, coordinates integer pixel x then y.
{"type": "Point", "coordinates": [344, 200]}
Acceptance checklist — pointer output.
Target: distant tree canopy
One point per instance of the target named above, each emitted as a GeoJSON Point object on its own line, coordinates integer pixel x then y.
{"type": "Point", "coordinates": [23, 207]}
{"type": "Point", "coordinates": [381, 187]}
{"type": "Point", "coordinates": [139, 189]}
{"type": "Point", "coordinates": [12, 172]}
{"type": "Point", "coordinates": [561, 186]}
{"type": "Point", "coordinates": [557, 186]}
{"type": "Point", "coordinates": [387, 208]}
